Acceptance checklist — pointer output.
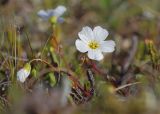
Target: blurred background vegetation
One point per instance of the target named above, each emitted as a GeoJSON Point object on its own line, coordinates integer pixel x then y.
{"type": "Point", "coordinates": [133, 24]}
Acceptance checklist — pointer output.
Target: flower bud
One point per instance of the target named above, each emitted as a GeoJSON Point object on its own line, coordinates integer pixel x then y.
{"type": "Point", "coordinates": [23, 73]}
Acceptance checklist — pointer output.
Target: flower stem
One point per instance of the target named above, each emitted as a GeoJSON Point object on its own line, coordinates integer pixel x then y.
{"type": "Point", "coordinates": [69, 72]}
{"type": "Point", "coordinates": [94, 66]}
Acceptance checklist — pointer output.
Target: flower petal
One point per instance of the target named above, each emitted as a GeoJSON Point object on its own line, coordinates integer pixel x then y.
{"type": "Point", "coordinates": [86, 34]}
{"type": "Point", "coordinates": [22, 75]}
{"type": "Point", "coordinates": [59, 11]}
{"type": "Point", "coordinates": [95, 55]}
{"type": "Point", "coordinates": [100, 33]}
{"type": "Point", "coordinates": [50, 12]}
{"type": "Point", "coordinates": [81, 46]}
{"type": "Point", "coordinates": [107, 46]}
{"type": "Point", "coordinates": [60, 20]}
{"type": "Point", "coordinates": [43, 14]}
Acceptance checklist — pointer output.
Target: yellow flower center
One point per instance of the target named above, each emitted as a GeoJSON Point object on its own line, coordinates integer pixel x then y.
{"type": "Point", "coordinates": [93, 45]}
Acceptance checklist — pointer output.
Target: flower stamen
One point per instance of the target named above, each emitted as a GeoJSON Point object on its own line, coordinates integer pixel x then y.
{"type": "Point", "coordinates": [93, 45]}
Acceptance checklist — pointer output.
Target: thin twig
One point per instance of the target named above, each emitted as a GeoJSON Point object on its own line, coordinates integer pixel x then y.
{"type": "Point", "coordinates": [29, 43]}
{"type": "Point", "coordinates": [42, 51]}
{"type": "Point", "coordinates": [132, 53]}
{"type": "Point", "coordinates": [126, 85]}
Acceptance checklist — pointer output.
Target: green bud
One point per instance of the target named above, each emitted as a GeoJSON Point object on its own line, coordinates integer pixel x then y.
{"type": "Point", "coordinates": [53, 20]}
{"type": "Point", "coordinates": [51, 49]}
{"type": "Point", "coordinates": [34, 73]}
{"type": "Point", "coordinates": [87, 85]}
{"type": "Point", "coordinates": [27, 67]}
{"type": "Point", "coordinates": [52, 79]}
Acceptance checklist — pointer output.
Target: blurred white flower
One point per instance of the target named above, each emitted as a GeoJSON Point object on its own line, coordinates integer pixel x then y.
{"type": "Point", "coordinates": [148, 14]}
{"type": "Point", "coordinates": [93, 42]}
{"type": "Point", "coordinates": [23, 73]}
{"type": "Point", "coordinates": [53, 15]}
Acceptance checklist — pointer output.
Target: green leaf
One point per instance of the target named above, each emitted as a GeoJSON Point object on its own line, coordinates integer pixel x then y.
{"type": "Point", "coordinates": [52, 79]}
{"type": "Point", "coordinates": [54, 56]}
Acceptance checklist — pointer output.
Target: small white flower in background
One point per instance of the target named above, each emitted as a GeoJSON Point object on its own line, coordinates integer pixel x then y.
{"type": "Point", "coordinates": [93, 42]}
{"type": "Point", "coordinates": [53, 15]}
{"type": "Point", "coordinates": [23, 73]}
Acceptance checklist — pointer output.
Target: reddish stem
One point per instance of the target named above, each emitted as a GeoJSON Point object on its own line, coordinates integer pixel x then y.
{"type": "Point", "coordinates": [94, 66]}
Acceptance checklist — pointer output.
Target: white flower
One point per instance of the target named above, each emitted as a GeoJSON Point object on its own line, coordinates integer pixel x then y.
{"type": "Point", "coordinates": [93, 42]}
{"type": "Point", "coordinates": [23, 73]}
{"type": "Point", "coordinates": [53, 14]}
